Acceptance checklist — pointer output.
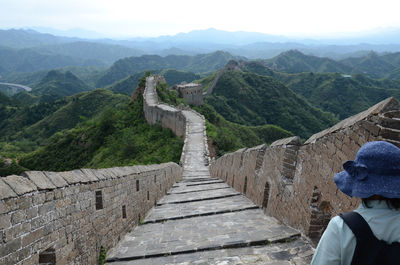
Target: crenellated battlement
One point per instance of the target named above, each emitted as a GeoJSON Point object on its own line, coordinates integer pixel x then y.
{"type": "Point", "coordinates": [294, 182]}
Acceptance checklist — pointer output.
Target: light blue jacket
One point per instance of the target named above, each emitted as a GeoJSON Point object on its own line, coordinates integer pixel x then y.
{"type": "Point", "coordinates": [338, 243]}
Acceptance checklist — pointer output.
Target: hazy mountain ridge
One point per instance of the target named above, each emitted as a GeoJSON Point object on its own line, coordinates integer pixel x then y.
{"type": "Point", "coordinates": [57, 84]}
{"type": "Point", "coordinates": [372, 64]}
{"type": "Point", "coordinates": [203, 63]}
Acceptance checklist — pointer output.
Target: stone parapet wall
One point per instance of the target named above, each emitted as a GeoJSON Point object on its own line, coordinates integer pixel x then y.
{"type": "Point", "coordinates": [294, 182]}
{"type": "Point", "coordinates": [169, 116]}
{"type": "Point", "coordinates": [69, 215]}
{"type": "Point", "coordinates": [155, 112]}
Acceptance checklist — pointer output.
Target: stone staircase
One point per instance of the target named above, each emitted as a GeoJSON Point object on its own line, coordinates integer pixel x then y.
{"type": "Point", "coordinates": [202, 220]}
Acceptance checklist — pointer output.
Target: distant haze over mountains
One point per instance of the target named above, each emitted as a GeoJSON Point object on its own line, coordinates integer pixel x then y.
{"type": "Point", "coordinates": [27, 50]}
{"type": "Point", "coordinates": [249, 44]}
{"type": "Point", "coordinates": [377, 36]}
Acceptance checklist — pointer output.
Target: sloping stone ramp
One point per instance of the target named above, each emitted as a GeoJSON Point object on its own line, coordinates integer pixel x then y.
{"type": "Point", "coordinates": [203, 221]}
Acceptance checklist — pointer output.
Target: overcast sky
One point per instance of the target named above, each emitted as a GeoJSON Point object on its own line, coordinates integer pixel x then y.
{"type": "Point", "coordinates": [168, 17]}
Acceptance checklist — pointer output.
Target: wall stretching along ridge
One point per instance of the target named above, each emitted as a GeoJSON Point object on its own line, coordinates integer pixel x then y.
{"type": "Point", "coordinates": [294, 182]}
{"type": "Point", "coordinates": [65, 217]}
{"type": "Point", "coordinates": [178, 120]}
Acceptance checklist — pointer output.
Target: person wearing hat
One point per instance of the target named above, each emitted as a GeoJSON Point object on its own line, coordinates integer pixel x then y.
{"type": "Point", "coordinates": [374, 176]}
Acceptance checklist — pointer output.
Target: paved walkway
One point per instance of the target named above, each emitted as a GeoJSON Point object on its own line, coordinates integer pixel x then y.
{"type": "Point", "coordinates": [204, 221]}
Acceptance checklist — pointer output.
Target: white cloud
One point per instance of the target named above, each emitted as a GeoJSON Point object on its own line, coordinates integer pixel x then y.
{"type": "Point", "coordinates": [156, 17]}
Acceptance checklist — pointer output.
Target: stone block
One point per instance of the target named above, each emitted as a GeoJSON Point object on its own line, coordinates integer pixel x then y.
{"type": "Point", "coordinates": [79, 174]}
{"type": "Point", "coordinates": [71, 177]}
{"type": "Point", "coordinates": [40, 180]}
{"type": "Point", "coordinates": [32, 237]}
{"type": "Point", "coordinates": [18, 217]}
{"type": "Point", "coordinates": [10, 247]}
{"type": "Point", "coordinates": [5, 221]}
{"type": "Point", "coordinates": [56, 179]}
{"type": "Point", "coordinates": [89, 174]}
{"type": "Point", "coordinates": [20, 185]}
{"type": "Point", "coordinates": [31, 212]}
{"type": "Point", "coordinates": [6, 191]}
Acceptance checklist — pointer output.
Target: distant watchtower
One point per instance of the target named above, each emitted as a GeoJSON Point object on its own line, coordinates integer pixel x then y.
{"type": "Point", "coordinates": [192, 93]}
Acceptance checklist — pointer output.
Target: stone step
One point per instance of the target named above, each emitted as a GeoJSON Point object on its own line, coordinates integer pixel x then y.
{"type": "Point", "coordinates": [199, 208]}
{"type": "Point", "coordinates": [205, 183]}
{"type": "Point", "coordinates": [296, 252]}
{"type": "Point", "coordinates": [199, 214]}
{"type": "Point", "coordinates": [206, 233]}
{"type": "Point", "coordinates": [198, 196]}
{"type": "Point", "coordinates": [199, 199]}
{"type": "Point", "coordinates": [199, 190]}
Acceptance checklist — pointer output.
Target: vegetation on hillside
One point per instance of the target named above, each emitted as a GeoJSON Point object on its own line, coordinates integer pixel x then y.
{"type": "Point", "coordinates": [294, 61]}
{"type": "Point", "coordinates": [25, 127]}
{"type": "Point", "coordinates": [343, 95]}
{"type": "Point", "coordinates": [225, 136]}
{"type": "Point", "coordinates": [203, 63]}
{"type": "Point", "coordinates": [371, 64]}
{"type": "Point", "coordinates": [118, 137]}
{"type": "Point", "coordinates": [57, 84]}
{"type": "Point", "coordinates": [251, 99]}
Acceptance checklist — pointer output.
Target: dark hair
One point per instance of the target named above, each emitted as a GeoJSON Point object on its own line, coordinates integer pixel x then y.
{"type": "Point", "coordinates": [392, 203]}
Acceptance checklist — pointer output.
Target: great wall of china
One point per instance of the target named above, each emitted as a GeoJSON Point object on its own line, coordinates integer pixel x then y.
{"type": "Point", "coordinates": [64, 217]}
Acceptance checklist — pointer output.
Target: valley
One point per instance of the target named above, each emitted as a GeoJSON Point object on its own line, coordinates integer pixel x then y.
{"type": "Point", "coordinates": [247, 102]}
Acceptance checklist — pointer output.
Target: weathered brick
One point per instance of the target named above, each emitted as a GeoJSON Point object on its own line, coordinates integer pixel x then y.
{"type": "Point", "coordinates": [32, 237]}
{"type": "Point", "coordinates": [18, 217]}
{"type": "Point", "coordinates": [10, 247]}
{"type": "Point", "coordinates": [5, 221]}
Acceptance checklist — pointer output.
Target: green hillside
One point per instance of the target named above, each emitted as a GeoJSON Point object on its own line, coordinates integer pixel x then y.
{"type": "Point", "coordinates": [372, 64]}
{"type": "Point", "coordinates": [120, 136]}
{"type": "Point", "coordinates": [129, 84]}
{"type": "Point", "coordinates": [57, 84]}
{"type": "Point", "coordinates": [204, 63]}
{"type": "Point", "coordinates": [342, 95]}
{"type": "Point", "coordinates": [294, 61]}
{"type": "Point", "coordinates": [252, 99]}
{"type": "Point", "coordinates": [28, 126]}
{"type": "Point", "coordinates": [225, 136]}
{"type": "Point", "coordinates": [174, 77]}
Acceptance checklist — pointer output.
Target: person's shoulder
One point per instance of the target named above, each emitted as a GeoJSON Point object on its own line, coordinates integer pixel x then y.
{"type": "Point", "coordinates": [336, 223]}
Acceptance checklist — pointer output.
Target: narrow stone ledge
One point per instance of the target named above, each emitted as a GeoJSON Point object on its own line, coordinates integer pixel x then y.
{"type": "Point", "coordinates": [39, 179]}
{"type": "Point", "coordinates": [20, 185]}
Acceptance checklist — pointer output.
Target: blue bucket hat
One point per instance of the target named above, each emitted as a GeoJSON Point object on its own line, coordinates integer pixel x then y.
{"type": "Point", "coordinates": [375, 171]}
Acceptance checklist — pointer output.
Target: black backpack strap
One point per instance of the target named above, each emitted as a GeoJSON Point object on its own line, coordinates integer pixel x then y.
{"type": "Point", "coordinates": [358, 225]}
{"type": "Point", "coordinates": [366, 250]}
{"type": "Point", "coordinates": [369, 250]}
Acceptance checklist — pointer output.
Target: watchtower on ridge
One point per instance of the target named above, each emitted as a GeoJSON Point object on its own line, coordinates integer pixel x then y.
{"type": "Point", "coordinates": [192, 93]}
